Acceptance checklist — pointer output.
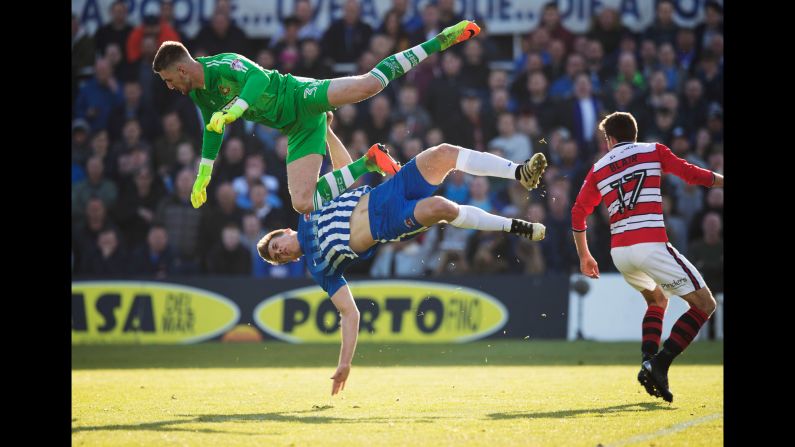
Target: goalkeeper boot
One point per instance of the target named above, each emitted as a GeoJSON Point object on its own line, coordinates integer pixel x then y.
{"type": "Point", "coordinates": [457, 33]}
{"type": "Point", "coordinates": [378, 156]}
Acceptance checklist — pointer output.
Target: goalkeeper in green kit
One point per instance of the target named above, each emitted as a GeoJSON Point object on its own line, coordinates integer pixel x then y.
{"type": "Point", "coordinates": [229, 86]}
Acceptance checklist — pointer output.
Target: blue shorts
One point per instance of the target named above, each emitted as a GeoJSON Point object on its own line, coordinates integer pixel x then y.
{"type": "Point", "coordinates": [392, 203]}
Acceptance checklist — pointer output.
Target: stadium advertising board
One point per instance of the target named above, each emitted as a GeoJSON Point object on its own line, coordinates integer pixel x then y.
{"type": "Point", "coordinates": [390, 311]}
{"type": "Point", "coordinates": [260, 18]}
{"type": "Point", "coordinates": [148, 313]}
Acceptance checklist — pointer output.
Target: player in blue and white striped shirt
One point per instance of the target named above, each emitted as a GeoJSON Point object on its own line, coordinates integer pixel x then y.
{"type": "Point", "coordinates": [348, 228]}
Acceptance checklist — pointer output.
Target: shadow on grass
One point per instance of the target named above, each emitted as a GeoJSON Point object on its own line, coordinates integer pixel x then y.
{"type": "Point", "coordinates": [592, 412]}
{"type": "Point", "coordinates": [302, 416]}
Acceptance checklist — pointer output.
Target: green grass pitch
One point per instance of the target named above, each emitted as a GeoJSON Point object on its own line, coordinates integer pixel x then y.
{"type": "Point", "coordinates": [494, 393]}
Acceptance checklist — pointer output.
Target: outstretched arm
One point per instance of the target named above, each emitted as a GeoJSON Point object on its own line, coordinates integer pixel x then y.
{"type": "Point", "coordinates": [343, 300]}
{"type": "Point", "coordinates": [588, 198]}
{"type": "Point", "coordinates": [339, 155]}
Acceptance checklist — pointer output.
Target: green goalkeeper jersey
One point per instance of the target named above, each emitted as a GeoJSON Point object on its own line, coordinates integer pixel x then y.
{"type": "Point", "coordinates": [228, 76]}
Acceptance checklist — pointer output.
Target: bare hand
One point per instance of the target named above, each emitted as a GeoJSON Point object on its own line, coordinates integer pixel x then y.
{"type": "Point", "coordinates": [340, 377]}
{"type": "Point", "coordinates": [589, 267]}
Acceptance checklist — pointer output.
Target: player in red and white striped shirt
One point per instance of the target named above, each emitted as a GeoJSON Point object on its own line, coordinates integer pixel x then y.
{"type": "Point", "coordinates": [627, 180]}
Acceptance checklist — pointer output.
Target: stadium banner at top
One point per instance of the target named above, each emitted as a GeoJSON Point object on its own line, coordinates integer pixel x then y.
{"type": "Point", "coordinates": [261, 18]}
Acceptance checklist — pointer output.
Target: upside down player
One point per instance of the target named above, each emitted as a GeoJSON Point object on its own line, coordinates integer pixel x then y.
{"type": "Point", "coordinates": [228, 86]}
{"type": "Point", "coordinates": [348, 228]}
{"type": "Point", "coordinates": [627, 180]}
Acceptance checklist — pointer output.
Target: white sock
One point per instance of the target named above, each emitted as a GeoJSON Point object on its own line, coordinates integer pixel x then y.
{"type": "Point", "coordinates": [484, 163]}
{"type": "Point", "coordinates": [475, 218]}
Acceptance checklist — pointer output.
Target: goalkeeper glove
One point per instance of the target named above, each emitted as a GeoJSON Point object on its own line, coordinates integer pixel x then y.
{"type": "Point", "coordinates": [199, 194]}
{"type": "Point", "coordinates": [224, 117]}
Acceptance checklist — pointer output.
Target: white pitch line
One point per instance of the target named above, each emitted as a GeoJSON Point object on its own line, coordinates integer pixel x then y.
{"type": "Point", "coordinates": [666, 431]}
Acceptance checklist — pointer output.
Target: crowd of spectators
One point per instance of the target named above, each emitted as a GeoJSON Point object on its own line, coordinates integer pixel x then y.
{"type": "Point", "coordinates": [136, 145]}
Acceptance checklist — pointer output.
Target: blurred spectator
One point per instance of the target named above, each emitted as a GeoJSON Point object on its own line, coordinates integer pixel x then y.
{"type": "Point", "coordinates": [186, 158]}
{"type": "Point", "coordinates": [82, 55]}
{"type": "Point", "coordinates": [686, 49]}
{"type": "Point", "coordinates": [407, 16]}
{"type": "Point", "coordinates": [176, 213]}
{"type": "Point", "coordinates": [571, 165]}
{"type": "Point", "coordinates": [528, 252]}
{"type": "Point", "coordinates": [156, 257]}
{"type": "Point", "coordinates": [447, 14]}
{"type": "Point", "coordinates": [229, 257]}
{"type": "Point", "coordinates": [662, 126]}
{"type": "Point", "coordinates": [133, 108]}
{"type": "Point", "coordinates": [167, 17]}
{"type": "Point", "coordinates": [706, 253]}
{"type": "Point", "coordinates": [86, 231]}
{"type": "Point", "coordinates": [98, 96]}
{"type": "Point", "coordinates": [215, 218]}
{"type": "Point", "coordinates": [221, 35]}
{"type": "Point", "coordinates": [711, 77]}
{"type": "Point", "coordinates": [231, 162]}
{"type": "Point", "coordinates": [624, 100]}
{"type": "Point", "coordinates": [109, 258]}
{"type": "Point", "coordinates": [444, 92]}
{"type": "Point", "coordinates": [475, 73]}
{"type": "Point", "coordinates": [479, 126]}
{"type": "Point", "coordinates": [252, 233]}
{"type": "Point", "coordinates": [711, 26]}
{"type": "Point", "coordinates": [648, 57]}
{"type": "Point", "coordinates": [347, 37]}
{"type": "Point", "coordinates": [628, 72]}
{"type": "Point", "coordinates": [311, 64]}
{"type": "Point", "coordinates": [254, 174]}
{"type": "Point", "coordinates": [581, 113]}
{"type": "Point", "coordinates": [400, 259]}
{"type": "Point", "coordinates": [288, 41]}
{"type": "Point", "coordinates": [514, 146]}
{"type": "Point", "coordinates": [713, 204]}
{"type": "Point", "coordinates": [305, 25]}
{"type": "Point", "coordinates": [376, 123]}
{"type": "Point", "coordinates": [663, 29]}
{"type": "Point", "coordinates": [456, 188]}
{"type": "Point", "coordinates": [693, 108]}
{"type": "Point", "coordinates": [393, 28]}
{"type": "Point", "coordinates": [150, 26]}
{"type": "Point", "coordinates": [596, 68]}
{"type": "Point", "coordinates": [550, 20]}
{"type": "Point", "coordinates": [563, 87]}
{"type": "Point", "coordinates": [137, 204]}
{"type": "Point", "coordinates": [667, 64]}
{"type": "Point", "coordinates": [116, 31]}
{"type": "Point", "coordinates": [81, 148]}
{"type": "Point", "coordinates": [493, 252]}
{"type": "Point", "coordinates": [95, 185]}
{"type": "Point", "coordinates": [559, 252]}
{"type": "Point", "coordinates": [409, 111]}
{"type": "Point", "coordinates": [607, 28]}
{"type": "Point", "coordinates": [537, 102]}
{"type": "Point", "coordinates": [165, 147]}
{"type": "Point", "coordinates": [430, 25]}
{"type": "Point", "coordinates": [262, 205]}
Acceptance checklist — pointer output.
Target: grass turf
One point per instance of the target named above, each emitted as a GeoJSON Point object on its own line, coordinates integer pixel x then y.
{"type": "Point", "coordinates": [485, 393]}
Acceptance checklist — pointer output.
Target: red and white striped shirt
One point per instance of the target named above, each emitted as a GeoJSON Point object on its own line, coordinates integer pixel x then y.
{"type": "Point", "coordinates": [627, 179]}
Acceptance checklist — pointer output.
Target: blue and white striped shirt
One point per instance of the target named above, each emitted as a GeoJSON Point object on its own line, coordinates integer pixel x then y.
{"type": "Point", "coordinates": [324, 236]}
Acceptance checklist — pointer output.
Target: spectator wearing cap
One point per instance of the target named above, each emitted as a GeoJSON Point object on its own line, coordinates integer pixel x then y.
{"type": "Point", "coordinates": [98, 96]}
{"type": "Point", "coordinates": [347, 37]}
{"type": "Point", "coordinates": [221, 35]}
{"type": "Point", "coordinates": [150, 26]}
{"type": "Point", "coordinates": [116, 31]}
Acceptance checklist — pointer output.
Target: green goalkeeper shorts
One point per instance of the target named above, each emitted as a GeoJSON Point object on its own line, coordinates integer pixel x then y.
{"type": "Point", "coordinates": [307, 135]}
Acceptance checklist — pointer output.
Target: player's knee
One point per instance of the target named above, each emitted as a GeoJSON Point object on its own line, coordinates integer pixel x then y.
{"type": "Point", "coordinates": [302, 203]}
{"type": "Point", "coordinates": [443, 209]}
{"type": "Point", "coordinates": [706, 302]}
{"type": "Point", "coordinates": [444, 151]}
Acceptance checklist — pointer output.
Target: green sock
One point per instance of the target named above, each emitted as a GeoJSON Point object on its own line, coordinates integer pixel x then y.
{"type": "Point", "coordinates": [336, 182]}
{"type": "Point", "coordinates": [398, 64]}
